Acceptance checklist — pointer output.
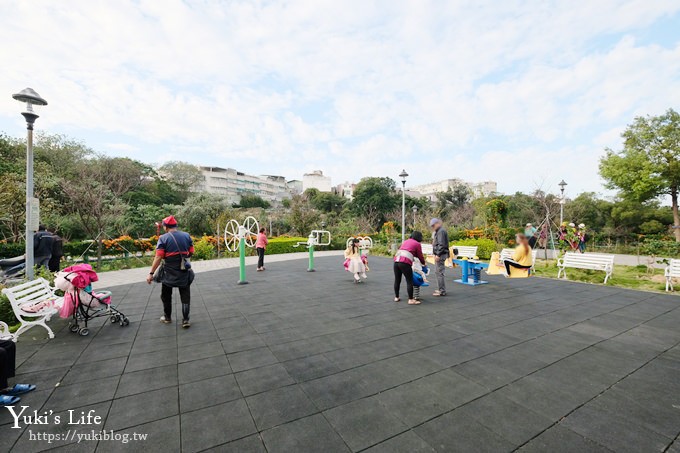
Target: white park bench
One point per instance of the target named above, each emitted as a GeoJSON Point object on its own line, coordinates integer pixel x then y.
{"type": "Point", "coordinates": [592, 261]}
{"type": "Point", "coordinates": [672, 271]}
{"type": "Point", "coordinates": [28, 294]}
{"type": "Point", "coordinates": [468, 251]}
{"type": "Point", "coordinates": [507, 253]}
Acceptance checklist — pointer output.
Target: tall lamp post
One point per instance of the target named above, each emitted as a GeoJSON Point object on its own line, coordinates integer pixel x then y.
{"type": "Point", "coordinates": [31, 98]}
{"type": "Point", "coordinates": [562, 185]}
{"type": "Point", "coordinates": [403, 176]}
{"type": "Point", "coordinates": [415, 210]}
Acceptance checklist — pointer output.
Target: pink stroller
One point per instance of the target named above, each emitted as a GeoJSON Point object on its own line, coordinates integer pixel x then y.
{"type": "Point", "coordinates": [81, 302]}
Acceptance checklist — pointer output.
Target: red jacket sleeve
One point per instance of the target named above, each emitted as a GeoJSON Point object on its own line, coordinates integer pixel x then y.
{"type": "Point", "coordinates": [419, 254]}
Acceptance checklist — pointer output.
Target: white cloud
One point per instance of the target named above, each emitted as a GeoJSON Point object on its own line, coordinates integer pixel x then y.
{"type": "Point", "coordinates": [471, 89]}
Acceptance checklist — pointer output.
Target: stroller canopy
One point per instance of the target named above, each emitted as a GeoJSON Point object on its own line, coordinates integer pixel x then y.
{"type": "Point", "coordinates": [81, 275]}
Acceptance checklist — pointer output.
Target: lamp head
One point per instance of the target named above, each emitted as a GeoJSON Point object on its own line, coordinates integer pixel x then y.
{"type": "Point", "coordinates": [403, 176]}
{"type": "Point", "coordinates": [415, 209]}
{"type": "Point", "coordinates": [562, 184]}
{"type": "Point", "coordinates": [31, 98]}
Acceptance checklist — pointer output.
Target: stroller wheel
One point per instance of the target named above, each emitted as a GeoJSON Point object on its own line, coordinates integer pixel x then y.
{"type": "Point", "coordinates": [115, 319]}
{"type": "Point", "coordinates": [84, 332]}
{"type": "Point", "coordinates": [124, 322]}
{"type": "Point", "coordinates": [73, 327]}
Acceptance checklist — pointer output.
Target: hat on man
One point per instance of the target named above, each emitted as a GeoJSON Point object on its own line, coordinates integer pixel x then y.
{"type": "Point", "coordinates": [170, 221]}
{"type": "Point", "coordinates": [528, 224]}
{"type": "Point", "coordinates": [434, 221]}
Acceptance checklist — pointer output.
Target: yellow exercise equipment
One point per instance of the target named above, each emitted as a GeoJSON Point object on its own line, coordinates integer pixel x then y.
{"type": "Point", "coordinates": [496, 268]}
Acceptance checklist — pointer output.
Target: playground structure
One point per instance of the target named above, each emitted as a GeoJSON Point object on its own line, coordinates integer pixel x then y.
{"type": "Point", "coordinates": [365, 242]}
{"type": "Point", "coordinates": [315, 238]}
{"type": "Point", "coordinates": [238, 237]}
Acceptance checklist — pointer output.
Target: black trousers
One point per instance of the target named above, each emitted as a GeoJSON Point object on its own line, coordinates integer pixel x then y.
{"type": "Point", "coordinates": [407, 271]}
{"type": "Point", "coordinates": [260, 257]}
{"type": "Point", "coordinates": [512, 263]}
{"type": "Point", "coordinates": [8, 355]}
{"type": "Point", "coordinates": [184, 295]}
{"type": "Point", "coordinates": [54, 263]}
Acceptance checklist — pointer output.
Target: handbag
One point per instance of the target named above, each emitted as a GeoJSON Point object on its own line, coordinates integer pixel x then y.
{"type": "Point", "coordinates": [160, 273]}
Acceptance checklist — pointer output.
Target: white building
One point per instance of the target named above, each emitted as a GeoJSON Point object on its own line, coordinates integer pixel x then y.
{"type": "Point", "coordinates": [295, 186]}
{"type": "Point", "coordinates": [316, 180]}
{"type": "Point", "coordinates": [477, 189]}
{"type": "Point", "coordinates": [346, 190]}
{"type": "Point", "coordinates": [233, 184]}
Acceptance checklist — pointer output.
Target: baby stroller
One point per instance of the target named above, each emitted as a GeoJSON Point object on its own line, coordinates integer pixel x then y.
{"type": "Point", "coordinates": [81, 302]}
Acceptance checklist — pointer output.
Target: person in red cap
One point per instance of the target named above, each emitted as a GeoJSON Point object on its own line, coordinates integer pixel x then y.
{"type": "Point", "coordinates": [173, 251]}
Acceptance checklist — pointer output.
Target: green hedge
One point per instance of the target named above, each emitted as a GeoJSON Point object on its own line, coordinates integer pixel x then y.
{"type": "Point", "coordinates": [485, 247]}
{"type": "Point", "coordinates": [11, 249]}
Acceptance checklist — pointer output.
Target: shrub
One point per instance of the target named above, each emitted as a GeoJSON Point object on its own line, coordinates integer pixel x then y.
{"type": "Point", "coordinates": [11, 249]}
{"type": "Point", "coordinates": [6, 313]}
{"type": "Point", "coordinates": [485, 247]}
{"type": "Point", "coordinates": [204, 249]}
{"type": "Point", "coordinates": [285, 245]}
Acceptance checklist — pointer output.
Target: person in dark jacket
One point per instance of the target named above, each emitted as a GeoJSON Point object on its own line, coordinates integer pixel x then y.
{"type": "Point", "coordinates": [57, 251]}
{"type": "Point", "coordinates": [174, 248]}
{"type": "Point", "coordinates": [42, 247]}
{"type": "Point", "coordinates": [440, 249]}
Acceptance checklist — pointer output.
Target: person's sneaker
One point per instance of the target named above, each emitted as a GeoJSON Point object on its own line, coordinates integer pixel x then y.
{"type": "Point", "coordinates": [165, 320]}
{"type": "Point", "coordinates": [186, 324]}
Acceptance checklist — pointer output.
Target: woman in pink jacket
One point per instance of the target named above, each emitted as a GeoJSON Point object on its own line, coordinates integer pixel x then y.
{"type": "Point", "coordinates": [260, 246]}
{"type": "Point", "coordinates": [409, 251]}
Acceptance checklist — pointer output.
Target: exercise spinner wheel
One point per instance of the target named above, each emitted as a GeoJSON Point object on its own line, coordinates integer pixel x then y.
{"type": "Point", "coordinates": [316, 237]}
{"type": "Point", "coordinates": [238, 237]}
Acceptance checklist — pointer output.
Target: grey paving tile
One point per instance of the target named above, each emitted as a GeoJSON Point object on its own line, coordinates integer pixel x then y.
{"type": "Point", "coordinates": [146, 380]}
{"type": "Point", "coordinates": [559, 438]}
{"type": "Point", "coordinates": [306, 434]}
{"type": "Point", "coordinates": [94, 370]}
{"type": "Point", "coordinates": [364, 423]}
{"type": "Point", "coordinates": [506, 418]}
{"type": "Point", "coordinates": [262, 379]}
{"type": "Point", "coordinates": [614, 432]}
{"type": "Point", "coordinates": [312, 367]}
{"type": "Point", "coordinates": [251, 358]}
{"type": "Point", "coordinates": [408, 442]}
{"type": "Point", "coordinates": [148, 360]}
{"type": "Point", "coordinates": [456, 432]}
{"type": "Point", "coordinates": [216, 425]}
{"type": "Point", "coordinates": [62, 434]}
{"type": "Point", "coordinates": [208, 392]}
{"type": "Point", "coordinates": [198, 370]}
{"type": "Point", "coordinates": [69, 396]}
{"type": "Point", "coordinates": [161, 436]}
{"type": "Point", "coordinates": [199, 351]}
{"type": "Point", "coordinates": [280, 406]}
{"type": "Point", "coordinates": [334, 390]}
{"type": "Point", "coordinates": [143, 408]}
{"type": "Point", "coordinates": [250, 444]}
{"type": "Point", "coordinates": [242, 343]}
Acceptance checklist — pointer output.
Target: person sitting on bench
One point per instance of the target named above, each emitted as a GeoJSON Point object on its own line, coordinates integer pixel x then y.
{"type": "Point", "coordinates": [9, 396]}
{"type": "Point", "coordinates": [521, 258]}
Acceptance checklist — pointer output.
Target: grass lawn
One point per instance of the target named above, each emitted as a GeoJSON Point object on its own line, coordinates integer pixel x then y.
{"type": "Point", "coordinates": [633, 277]}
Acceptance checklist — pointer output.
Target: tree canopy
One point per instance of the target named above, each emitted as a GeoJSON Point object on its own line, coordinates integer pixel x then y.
{"type": "Point", "coordinates": [648, 165]}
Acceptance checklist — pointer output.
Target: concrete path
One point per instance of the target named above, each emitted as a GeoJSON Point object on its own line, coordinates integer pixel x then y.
{"type": "Point", "coordinates": [310, 362]}
{"type": "Point", "coordinates": [127, 276]}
